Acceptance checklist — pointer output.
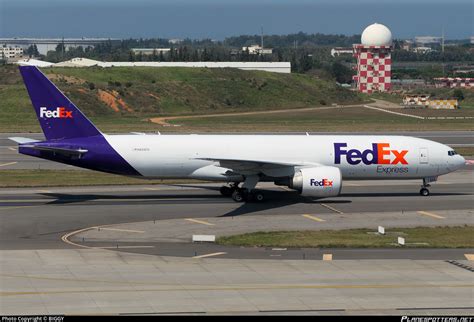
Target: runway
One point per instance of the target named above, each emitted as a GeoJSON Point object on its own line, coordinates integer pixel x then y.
{"type": "Point", "coordinates": [10, 159]}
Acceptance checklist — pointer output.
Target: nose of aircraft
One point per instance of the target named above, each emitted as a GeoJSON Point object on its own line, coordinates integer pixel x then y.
{"type": "Point", "coordinates": [460, 161]}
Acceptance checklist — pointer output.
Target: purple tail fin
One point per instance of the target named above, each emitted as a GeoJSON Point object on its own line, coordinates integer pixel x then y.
{"type": "Point", "coordinates": [58, 116]}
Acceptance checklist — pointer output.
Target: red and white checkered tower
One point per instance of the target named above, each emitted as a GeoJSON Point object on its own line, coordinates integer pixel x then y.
{"type": "Point", "coordinates": [374, 62]}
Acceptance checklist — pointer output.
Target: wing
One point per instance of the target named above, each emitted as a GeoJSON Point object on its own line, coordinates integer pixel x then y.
{"type": "Point", "coordinates": [249, 167]}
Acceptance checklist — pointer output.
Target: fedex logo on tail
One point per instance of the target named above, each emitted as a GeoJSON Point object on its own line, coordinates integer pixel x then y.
{"type": "Point", "coordinates": [58, 113]}
{"type": "Point", "coordinates": [379, 154]}
{"type": "Point", "coordinates": [322, 183]}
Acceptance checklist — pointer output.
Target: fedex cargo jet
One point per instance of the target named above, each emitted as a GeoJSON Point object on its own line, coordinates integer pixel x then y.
{"type": "Point", "coordinates": [314, 165]}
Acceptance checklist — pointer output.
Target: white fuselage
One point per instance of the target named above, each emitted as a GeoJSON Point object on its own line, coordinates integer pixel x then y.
{"type": "Point", "coordinates": [180, 156]}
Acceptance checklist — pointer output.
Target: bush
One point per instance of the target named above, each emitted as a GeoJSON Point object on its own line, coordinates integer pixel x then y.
{"type": "Point", "coordinates": [458, 94]}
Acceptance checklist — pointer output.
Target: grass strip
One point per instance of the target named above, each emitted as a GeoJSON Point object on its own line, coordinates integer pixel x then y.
{"type": "Point", "coordinates": [419, 237]}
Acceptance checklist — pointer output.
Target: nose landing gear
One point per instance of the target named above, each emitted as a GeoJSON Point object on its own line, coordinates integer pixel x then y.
{"type": "Point", "coordinates": [424, 187]}
{"type": "Point", "coordinates": [424, 192]}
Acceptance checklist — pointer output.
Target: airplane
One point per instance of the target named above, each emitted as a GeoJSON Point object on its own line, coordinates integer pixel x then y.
{"type": "Point", "coordinates": [313, 165]}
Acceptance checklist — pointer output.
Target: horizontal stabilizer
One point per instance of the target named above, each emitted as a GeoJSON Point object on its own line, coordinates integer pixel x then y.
{"type": "Point", "coordinates": [61, 151]}
{"type": "Point", "coordinates": [21, 140]}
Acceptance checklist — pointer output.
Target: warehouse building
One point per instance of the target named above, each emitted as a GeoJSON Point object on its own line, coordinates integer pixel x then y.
{"type": "Point", "coordinates": [454, 82]}
{"type": "Point", "coordinates": [424, 101]}
{"type": "Point", "coordinates": [275, 67]}
{"type": "Point", "coordinates": [46, 44]}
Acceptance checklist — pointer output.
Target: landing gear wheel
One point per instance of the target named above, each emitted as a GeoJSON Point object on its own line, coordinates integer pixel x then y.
{"type": "Point", "coordinates": [238, 196]}
{"type": "Point", "coordinates": [258, 196]}
{"type": "Point", "coordinates": [226, 191]}
{"type": "Point", "coordinates": [424, 192]}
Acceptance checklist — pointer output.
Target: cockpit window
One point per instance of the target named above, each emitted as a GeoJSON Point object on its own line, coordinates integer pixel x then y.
{"type": "Point", "coordinates": [452, 152]}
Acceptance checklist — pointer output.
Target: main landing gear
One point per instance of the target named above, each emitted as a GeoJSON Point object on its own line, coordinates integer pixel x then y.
{"type": "Point", "coordinates": [424, 188]}
{"type": "Point", "coordinates": [244, 193]}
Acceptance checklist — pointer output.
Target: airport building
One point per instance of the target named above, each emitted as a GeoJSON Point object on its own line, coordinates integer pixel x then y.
{"type": "Point", "coordinates": [257, 50]}
{"type": "Point", "coordinates": [453, 82]}
{"type": "Point", "coordinates": [9, 52]}
{"type": "Point", "coordinates": [424, 101]}
{"type": "Point", "coordinates": [46, 44]}
{"type": "Point", "coordinates": [425, 40]}
{"type": "Point", "coordinates": [150, 51]}
{"type": "Point", "coordinates": [337, 51]}
{"type": "Point", "coordinates": [374, 59]}
{"type": "Point", "coordinates": [275, 67]}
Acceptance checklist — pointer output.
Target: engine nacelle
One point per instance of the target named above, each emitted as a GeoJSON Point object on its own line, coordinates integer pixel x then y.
{"type": "Point", "coordinates": [317, 182]}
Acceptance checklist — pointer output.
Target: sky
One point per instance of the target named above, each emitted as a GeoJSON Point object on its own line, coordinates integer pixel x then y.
{"type": "Point", "coordinates": [217, 19]}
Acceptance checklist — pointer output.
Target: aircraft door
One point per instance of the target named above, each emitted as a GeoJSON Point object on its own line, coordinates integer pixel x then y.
{"type": "Point", "coordinates": [424, 157]}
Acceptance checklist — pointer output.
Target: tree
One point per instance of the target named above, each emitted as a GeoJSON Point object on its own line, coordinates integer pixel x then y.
{"type": "Point", "coordinates": [341, 73]}
{"type": "Point", "coordinates": [458, 94]}
{"type": "Point", "coordinates": [60, 48]}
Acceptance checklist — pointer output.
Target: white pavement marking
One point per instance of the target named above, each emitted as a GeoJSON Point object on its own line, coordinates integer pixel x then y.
{"type": "Point", "coordinates": [313, 218]}
{"type": "Point", "coordinates": [210, 255]}
{"type": "Point", "coordinates": [430, 214]}
{"type": "Point", "coordinates": [7, 164]}
{"type": "Point", "coordinates": [200, 222]}
{"type": "Point", "coordinates": [392, 112]}
{"type": "Point", "coordinates": [65, 238]}
{"type": "Point", "coordinates": [12, 149]}
{"type": "Point", "coordinates": [124, 230]}
{"type": "Point", "coordinates": [331, 208]}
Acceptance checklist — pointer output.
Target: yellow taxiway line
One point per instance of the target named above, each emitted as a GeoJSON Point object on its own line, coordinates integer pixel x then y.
{"type": "Point", "coordinates": [202, 222]}
{"type": "Point", "coordinates": [200, 288]}
{"type": "Point", "coordinates": [7, 164]}
{"type": "Point", "coordinates": [331, 208]}
{"type": "Point", "coordinates": [313, 218]}
{"type": "Point", "coordinates": [430, 214]}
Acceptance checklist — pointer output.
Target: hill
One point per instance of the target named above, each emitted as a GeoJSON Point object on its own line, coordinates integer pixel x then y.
{"type": "Point", "coordinates": [122, 96]}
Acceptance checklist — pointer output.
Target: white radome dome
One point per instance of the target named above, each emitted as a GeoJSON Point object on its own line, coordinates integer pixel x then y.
{"type": "Point", "coordinates": [376, 35]}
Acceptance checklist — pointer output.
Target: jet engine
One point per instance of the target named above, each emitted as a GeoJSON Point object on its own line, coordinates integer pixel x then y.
{"type": "Point", "coordinates": [317, 181]}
